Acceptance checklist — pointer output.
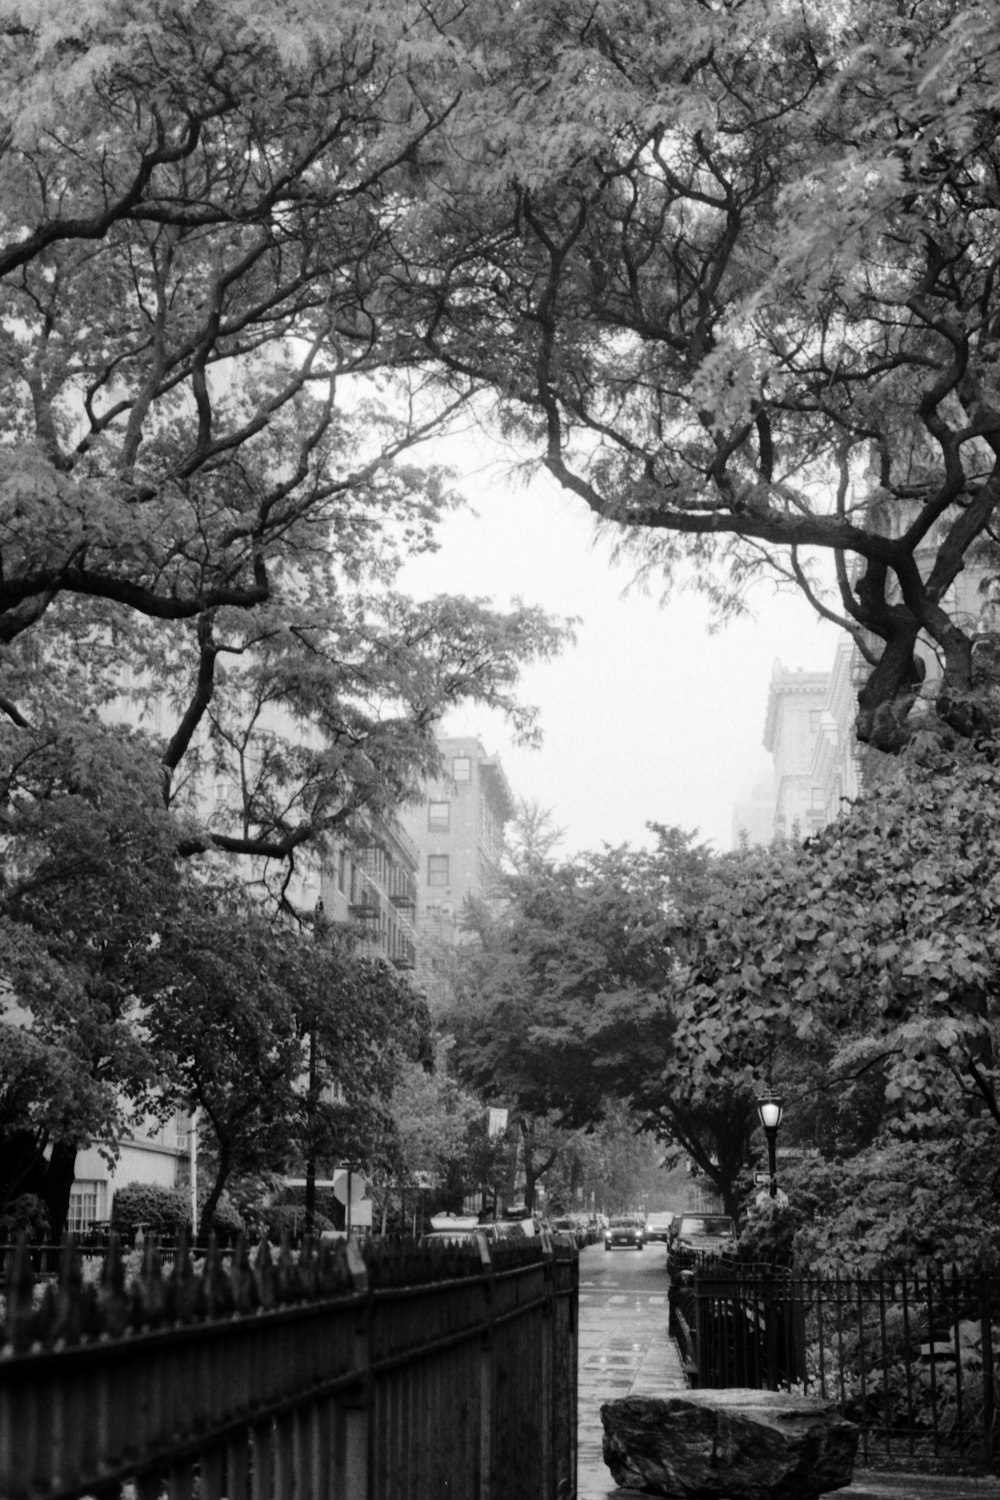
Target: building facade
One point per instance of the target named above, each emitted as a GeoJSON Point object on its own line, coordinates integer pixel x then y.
{"type": "Point", "coordinates": [376, 885]}
{"type": "Point", "coordinates": [457, 830]}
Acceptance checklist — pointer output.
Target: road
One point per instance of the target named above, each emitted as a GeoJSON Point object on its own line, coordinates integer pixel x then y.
{"type": "Point", "coordinates": [624, 1347]}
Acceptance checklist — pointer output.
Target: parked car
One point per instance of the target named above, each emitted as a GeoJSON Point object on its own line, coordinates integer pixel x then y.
{"type": "Point", "coordinates": [624, 1233]}
{"type": "Point", "coordinates": [569, 1226]}
{"type": "Point", "coordinates": [698, 1235]}
{"type": "Point", "coordinates": [483, 1233]}
{"type": "Point", "coordinates": [658, 1227]}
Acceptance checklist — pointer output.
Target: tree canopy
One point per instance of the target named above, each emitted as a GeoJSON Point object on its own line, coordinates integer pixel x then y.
{"type": "Point", "coordinates": [730, 271]}
{"type": "Point", "coordinates": [210, 470]}
{"type": "Point", "coordinates": [208, 465]}
{"type": "Point", "coordinates": [857, 973]}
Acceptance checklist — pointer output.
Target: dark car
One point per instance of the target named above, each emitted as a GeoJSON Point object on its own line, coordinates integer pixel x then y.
{"type": "Point", "coordinates": [624, 1234]}
{"type": "Point", "coordinates": [569, 1226]}
{"type": "Point", "coordinates": [658, 1227]}
{"type": "Point", "coordinates": [698, 1235]}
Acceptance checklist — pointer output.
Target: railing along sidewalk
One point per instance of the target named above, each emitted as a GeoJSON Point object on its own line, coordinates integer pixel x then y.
{"type": "Point", "coordinates": [908, 1356]}
{"type": "Point", "coordinates": [331, 1376]}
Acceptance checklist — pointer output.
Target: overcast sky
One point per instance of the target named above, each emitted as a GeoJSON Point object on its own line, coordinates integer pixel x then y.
{"type": "Point", "coordinates": [649, 717]}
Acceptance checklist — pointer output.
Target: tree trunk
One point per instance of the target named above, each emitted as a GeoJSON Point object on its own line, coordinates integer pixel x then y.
{"type": "Point", "coordinates": [204, 1226]}
{"type": "Point", "coordinates": [59, 1176]}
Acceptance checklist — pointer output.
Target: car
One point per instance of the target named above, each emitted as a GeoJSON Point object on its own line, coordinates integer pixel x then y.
{"type": "Point", "coordinates": [658, 1227]}
{"type": "Point", "coordinates": [568, 1226]}
{"type": "Point", "coordinates": [623, 1232]}
{"type": "Point", "coordinates": [698, 1235]}
{"type": "Point", "coordinates": [479, 1235]}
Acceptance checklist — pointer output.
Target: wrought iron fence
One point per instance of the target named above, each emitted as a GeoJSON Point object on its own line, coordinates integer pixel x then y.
{"type": "Point", "coordinates": [910, 1358]}
{"type": "Point", "coordinates": [406, 1370]}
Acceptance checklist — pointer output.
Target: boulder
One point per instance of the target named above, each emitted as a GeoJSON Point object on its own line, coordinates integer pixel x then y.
{"type": "Point", "coordinates": [729, 1445]}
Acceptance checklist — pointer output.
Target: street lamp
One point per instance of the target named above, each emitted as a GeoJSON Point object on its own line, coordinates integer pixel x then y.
{"type": "Point", "coordinates": [770, 1109]}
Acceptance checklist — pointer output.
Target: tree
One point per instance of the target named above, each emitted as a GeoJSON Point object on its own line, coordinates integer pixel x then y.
{"type": "Point", "coordinates": [599, 981]}
{"type": "Point", "coordinates": [435, 1129]}
{"type": "Point", "coordinates": [89, 864]}
{"type": "Point", "coordinates": [288, 1047]}
{"type": "Point", "coordinates": [662, 980]}
{"type": "Point", "coordinates": [741, 297]}
{"type": "Point", "coordinates": [206, 476]}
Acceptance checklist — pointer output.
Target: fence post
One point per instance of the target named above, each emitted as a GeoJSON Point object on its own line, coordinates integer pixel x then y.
{"type": "Point", "coordinates": [355, 1410]}
{"type": "Point", "coordinates": [548, 1332]}
{"type": "Point", "coordinates": [989, 1403]}
{"type": "Point", "coordinates": [486, 1375]}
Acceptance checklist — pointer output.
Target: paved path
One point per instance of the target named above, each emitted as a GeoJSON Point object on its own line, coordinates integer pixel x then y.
{"type": "Point", "coordinates": [625, 1349]}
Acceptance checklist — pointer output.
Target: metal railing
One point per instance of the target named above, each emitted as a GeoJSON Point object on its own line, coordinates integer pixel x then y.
{"type": "Point", "coordinates": [404, 1371]}
{"type": "Point", "coordinates": [909, 1358]}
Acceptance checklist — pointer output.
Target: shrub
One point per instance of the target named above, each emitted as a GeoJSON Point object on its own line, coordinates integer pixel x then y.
{"type": "Point", "coordinates": [227, 1219]}
{"type": "Point", "coordinates": [159, 1209]}
{"type": "Point", "coordinates": [25, 1215]}
{"type": "Point", "coordinates": [282, 1218]}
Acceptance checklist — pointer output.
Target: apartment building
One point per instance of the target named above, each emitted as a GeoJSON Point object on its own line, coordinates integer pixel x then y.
{"type": "Point", "coordinates": [458, 833]}
{"type": "Point", "coordinates": [809, 733]}
{"type": "Point", "coordinates": [376, 885]}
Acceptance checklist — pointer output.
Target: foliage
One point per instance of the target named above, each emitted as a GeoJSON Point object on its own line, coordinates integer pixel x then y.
{"type": "Point", "coordinates": [89, 864]}
{"type": "Point", "coordinates": [208, 479]}
{"type": "Point", "coordinates": [26, 1214]}
{"type": "Point", "coordinates": [202, 476]}
{"type": "Point", "coordinates": [287, 1215]}
{"type": "Point", "coordinates": [740, 300]}
{"type": "Point", "coordinates": [288, 1046]}
{"type": "Point", "coordinates": [434, 1120]}
{"type": "Point", "coordinates": [149, 1207]}
{"type": "Point", "coordinates": [857, 972]}
{"type": "Point", "coordinates": [767, 1233]}
{"type": "Point", "coordinates": [614, 976]}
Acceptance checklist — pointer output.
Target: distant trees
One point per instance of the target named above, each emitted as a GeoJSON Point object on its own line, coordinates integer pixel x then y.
{"type": "Point", "coordinates": [857, 973]}
{"type": "Point", "coordinates": [572, 1000]}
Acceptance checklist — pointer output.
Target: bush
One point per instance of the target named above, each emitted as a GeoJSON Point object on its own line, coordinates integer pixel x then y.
{"type": "Point", "coordinates": [26, 1214]}
{"type": "Point", "coordinates": [290, 1218]}
{"type": "Point", "coordinates": [227, 1219]}
{"type": "Point", "coordinates": [161, 1210]}
{"type": "Point", "coordinates": [769, 1232]}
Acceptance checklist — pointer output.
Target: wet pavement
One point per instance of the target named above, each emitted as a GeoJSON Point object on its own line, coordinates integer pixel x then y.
{"type": "Point", "coordinates": [625, 1349]}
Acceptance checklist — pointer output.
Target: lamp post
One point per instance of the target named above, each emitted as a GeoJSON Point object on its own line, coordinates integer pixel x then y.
{"type": "Point", "coordinates": [770, 1109]}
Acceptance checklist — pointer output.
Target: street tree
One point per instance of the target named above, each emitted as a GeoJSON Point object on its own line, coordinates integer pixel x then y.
{"type": "Point", "coordinates": [570, 999]}
{"type": "Point", "coordinates": [89, 865]}
{"type": "Point", "coordinates": [660, 980]}
{"type": "Point", "coordinates": [289, 1047]}
{"type": "Point", "coordinates": [209, 473]}
{"type": "Point", "coordinates": [209, 466]}
{"type": "Point", "coordinates": [730, 273]}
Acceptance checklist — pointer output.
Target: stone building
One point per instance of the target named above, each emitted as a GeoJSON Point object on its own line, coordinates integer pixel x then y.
{"type": "Point", "coordinates": [457, 830]}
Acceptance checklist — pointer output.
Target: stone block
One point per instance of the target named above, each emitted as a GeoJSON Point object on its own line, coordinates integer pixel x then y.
{"type": "Point", "coordinates": [729, 1445]}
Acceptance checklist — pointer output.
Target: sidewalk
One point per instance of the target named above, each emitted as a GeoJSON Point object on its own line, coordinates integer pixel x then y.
{"type": "Point", "coordinates": [625, 1350]}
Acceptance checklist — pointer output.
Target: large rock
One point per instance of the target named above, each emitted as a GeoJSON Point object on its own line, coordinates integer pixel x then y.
{"type": "Point", "coordinates": [729, 1445]}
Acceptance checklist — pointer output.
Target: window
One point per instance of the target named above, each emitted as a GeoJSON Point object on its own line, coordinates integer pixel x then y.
{"type": "Point", "coordinates": [342, 871]}
{"type": "Point", "coordinates": [438, 816]}
{"type": "Point", "coordinates": [437, 869]}
{"type": "Point", "coordinates": [82, 1206]}
{"type": "Point", "coordinates": [461, 768]}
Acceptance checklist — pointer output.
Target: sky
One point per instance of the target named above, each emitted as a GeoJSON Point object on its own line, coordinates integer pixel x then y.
{"type": "Point", "coordinates": [649, 717]}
